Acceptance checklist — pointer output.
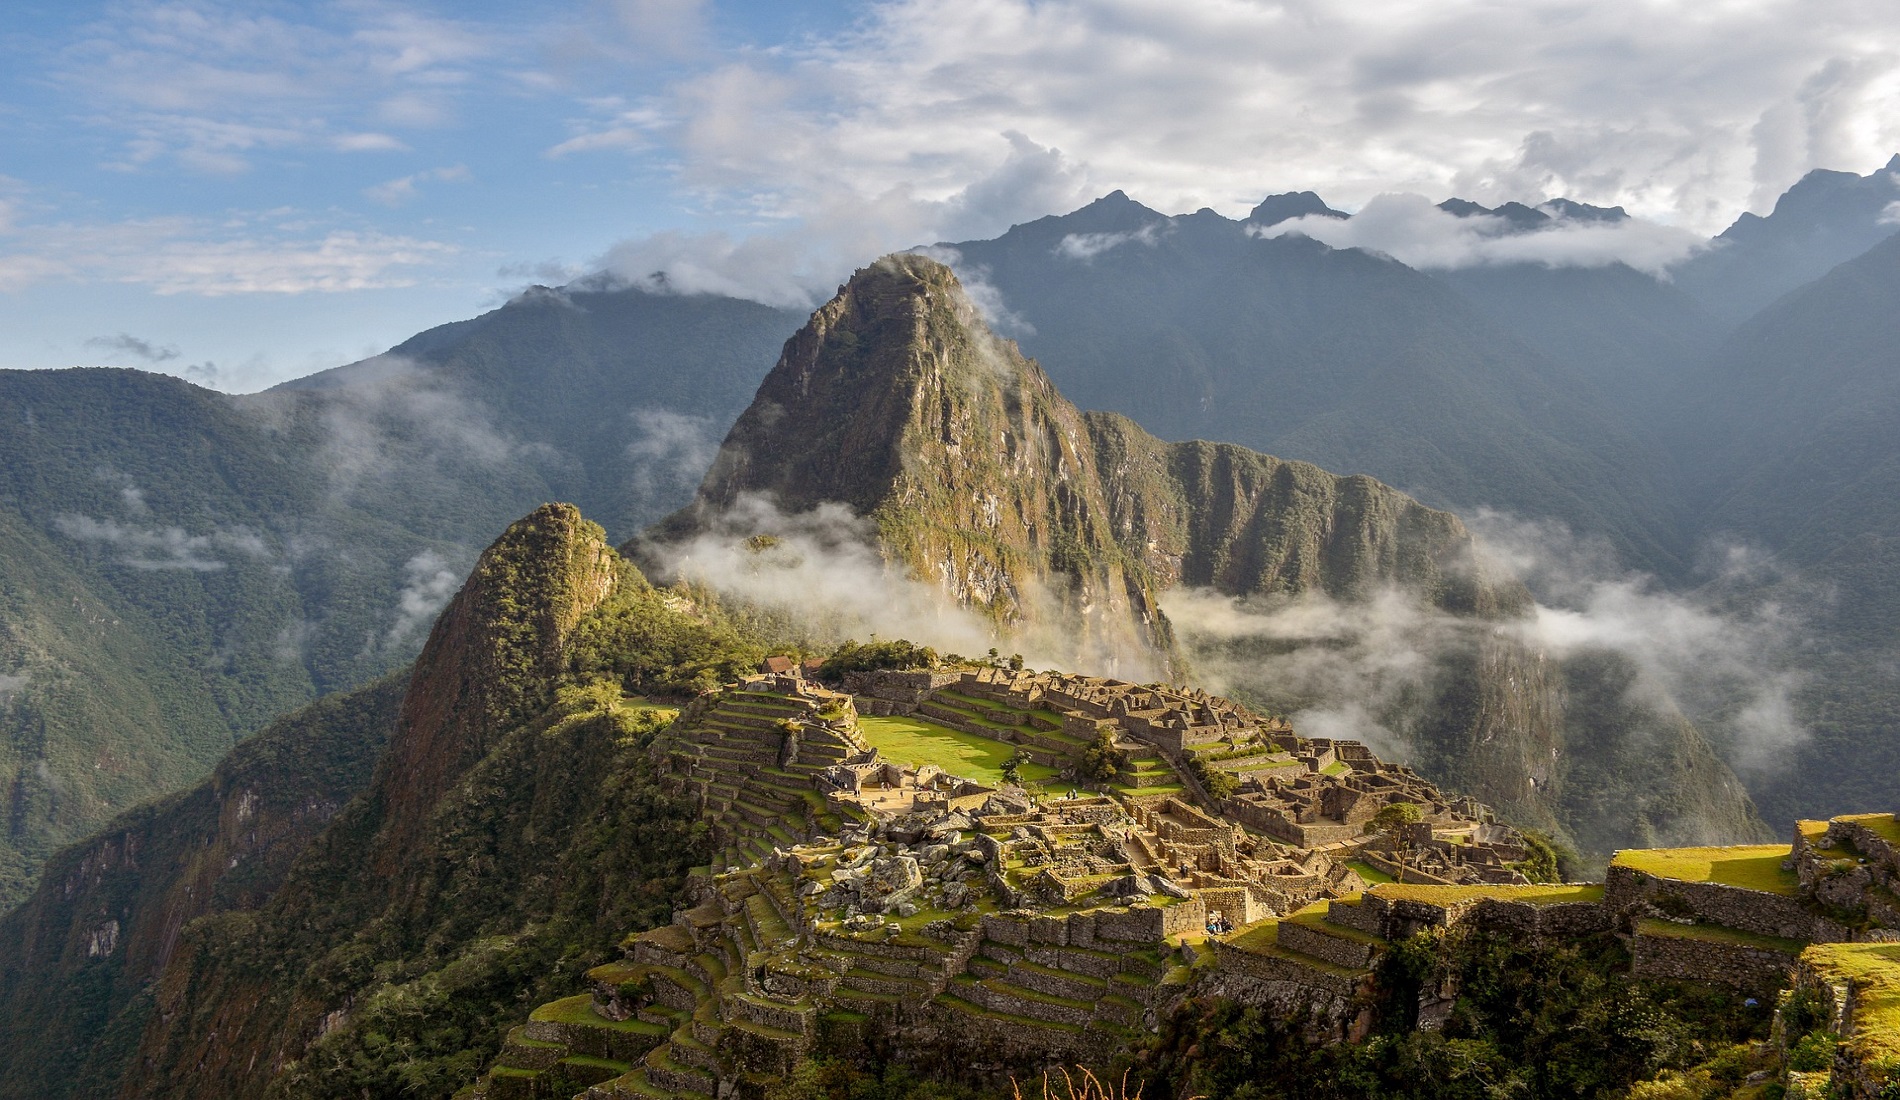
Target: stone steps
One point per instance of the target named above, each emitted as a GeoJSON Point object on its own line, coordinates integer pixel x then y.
{"type": "Point", "coordinates": [669, 1073]}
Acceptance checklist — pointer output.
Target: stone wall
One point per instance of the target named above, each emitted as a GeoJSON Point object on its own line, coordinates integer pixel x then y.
{"type": "Point", "coordinates": [1764, 914]}
{"type": "Point", "coordinates": [1756, 970]}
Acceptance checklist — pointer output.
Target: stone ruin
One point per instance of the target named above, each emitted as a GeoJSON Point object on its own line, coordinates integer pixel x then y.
{"type": "Point", "coordinates": [853, 895]}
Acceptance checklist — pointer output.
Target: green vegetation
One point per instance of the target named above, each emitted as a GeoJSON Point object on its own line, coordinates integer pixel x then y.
{"type": "Point", "coordinates": [1102, 761]}
{"type": "Point", "coordinates": [75, 1030]}
{"type": "Point", "coordinates": [1562, 1022]}
{"type": "Point", "coordinates": [1715, 933]}
{"type": "Point", "coordinates": [1367, 871]}
{"type": "Point", "coordinates": [871, 656]}
{"type": "Point", "coordinates": [1217, 783]}
{"type": "Point", "coordinates": [909, 740]}
{"type": "Point", "coordinates": [1536, 894]}
{"type": "Point", "coordinates": [649, 649]}
{"type": "Point", "coordinates": [1752, 866]}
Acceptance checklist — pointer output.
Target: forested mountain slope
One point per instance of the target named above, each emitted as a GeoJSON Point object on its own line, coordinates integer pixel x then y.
{"type": "Point", "coordinates": [1200, 330]}
{"type": "Point", "coordinates": [180, 566]}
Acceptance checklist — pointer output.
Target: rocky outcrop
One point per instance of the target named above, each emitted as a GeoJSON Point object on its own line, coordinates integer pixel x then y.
{"type": "Point", "coordinates": [492, 658]}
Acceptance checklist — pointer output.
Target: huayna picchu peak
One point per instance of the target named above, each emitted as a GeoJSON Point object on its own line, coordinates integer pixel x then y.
{"type": "Point", "coordinates": [1065, 530]}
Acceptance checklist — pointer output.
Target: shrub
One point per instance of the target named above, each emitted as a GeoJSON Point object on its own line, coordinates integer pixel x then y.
{"type": "Point", "coordinates": [1217, 783]}
{"type": "Point", "coordinates": [1812, 1053]}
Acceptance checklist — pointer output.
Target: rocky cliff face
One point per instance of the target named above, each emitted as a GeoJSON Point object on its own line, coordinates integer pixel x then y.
{"type": "Point", "coordinates": [983, 482]}
{"type": "Point", "coordinates": [108, 917]}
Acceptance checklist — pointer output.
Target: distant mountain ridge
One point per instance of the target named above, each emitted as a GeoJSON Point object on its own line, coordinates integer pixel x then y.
{"type": "Point", "coordinates": [1199, 329]}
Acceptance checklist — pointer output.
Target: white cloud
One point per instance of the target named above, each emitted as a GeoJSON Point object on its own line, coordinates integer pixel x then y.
{"type": "Point", "coordinates": [155, 549]}
{"type": "Point", "coordinates": [209, 84]}
{"type": "Point", "coordinates": [1087, 246]}
{"type": "Point", "coordinates": [822, 570]}
{"type": "Point", "coordinates": [199, 256]}
{"type": "Point", "coordinates": [12, 682]}
{"type": "Point", "coordinates": [401, 190]}
{"type": "Point", "coordinates": [428, 583]}
{"type": "Point", "coordinates": [1681, 114]}
{"type": "Point", "coordinates": [835, 227]}
{"type": "Point", "coordinates": [1348, 669]}
{"type": "Point", "coordinates": [1414, 231]}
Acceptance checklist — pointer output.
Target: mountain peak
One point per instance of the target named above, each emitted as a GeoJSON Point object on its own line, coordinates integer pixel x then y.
{"type": "Point", "coordinates": [1275, 209]}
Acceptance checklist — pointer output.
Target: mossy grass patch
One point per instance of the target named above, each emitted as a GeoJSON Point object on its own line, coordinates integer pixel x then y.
{"type": "Point", "coordinates": [1873, 971]}
{"type": "Point", "coordinates": [914, 741]}
{"type": "Point", "coordinates": [1881, 825]}
{"type": "Point", "coordinates": [1715, 933]}
{"type": "Point", "coordinates": [1750, 866]}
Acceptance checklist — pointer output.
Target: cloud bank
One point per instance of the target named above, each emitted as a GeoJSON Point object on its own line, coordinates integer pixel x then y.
{"type": "Point", "coordinates": [1342, 668]}
{"type": "Point", "coordinates": [820, 572]}
{"type": "Point", "coordinates": [153, 549]}
{"type": "Point", "coordinates": [1414, 231]}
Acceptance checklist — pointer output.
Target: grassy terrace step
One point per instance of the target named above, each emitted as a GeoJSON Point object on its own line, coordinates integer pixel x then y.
{"type": "Point", "coordinates": [949, 1000]}
{"type": "Point", "coordinates": [867, 998]}
{"type": "Point", "coordinates": [1063, 975]}
{"type": "Point", "coordinates": [768, 926]}
{"type": "Point", "coordinates": [1314, 917]}
{"type": "Point", "coordinates": [1873, 972]}
{"type": "Point", "coordinates": [636, 1084]}
{"type": "Point", "coordinates": [763, 1031]}
{"type": "Point", "coordinates": [585, 1069]}
{"type": "Point", "coordinates": [1750, 866]}
{"type": "Point", "coordinates": [661, 1057]}
{"type": "Point", "coordinates": [579, 1010]}
{"type": "Point", "coordinates": [859, 973]}
{"type": "Point", "coordinates": [1022, 993]}
{"type": "Point", "coordinates": [713, 965]}
{"type": "Point", "coordinates": [1555, 893]}
{"type": "Point", "coordinates": [1263, 939]}
{"type": "Point", "coordinates": [1712, 933]}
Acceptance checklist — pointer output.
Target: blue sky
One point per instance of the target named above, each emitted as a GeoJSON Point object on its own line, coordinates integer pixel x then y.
{"type": "Point", "coordinates": [244, 192]}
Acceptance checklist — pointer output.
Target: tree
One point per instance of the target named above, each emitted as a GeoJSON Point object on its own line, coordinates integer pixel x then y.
{"type": "Point", "coordinates": [1392, 819]}
{"type": "Point", "coordinates": [1013, 768]}
{"type": "Point", "coordinates": [1101, 760]}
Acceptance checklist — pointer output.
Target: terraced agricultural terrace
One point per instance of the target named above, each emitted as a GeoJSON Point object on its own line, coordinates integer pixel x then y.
{"type": "Point", "coordinates": [863, 886]}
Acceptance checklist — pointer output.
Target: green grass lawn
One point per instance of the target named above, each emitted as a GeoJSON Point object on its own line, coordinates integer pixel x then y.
{"type": "Point", "coordinates": [1715, 933]}
{"type": "Point", "coordinates": [1753, 866]}
{"type": "Point", "coordinates": [915, 741]}
{"type": "Point", "coordinates": [1873, 969]}
{"type": "Point", "coordinates": [1549, 893]}
{"type": "Point", "coordinates": [1367, 871]}
{"type": "Point", "coordinates": [1883, 826]}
